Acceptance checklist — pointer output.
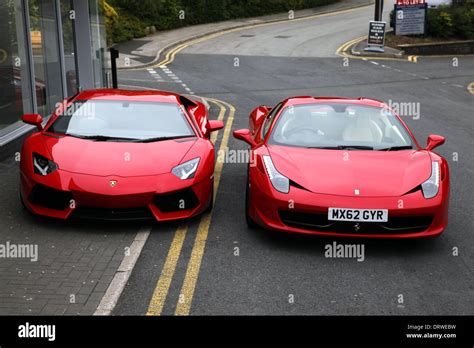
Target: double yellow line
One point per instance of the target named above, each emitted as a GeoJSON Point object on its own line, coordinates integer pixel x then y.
{"type": "Point", "coordinates": [160, 293]}
{"type": "Point", "coordinates": [342, 50]}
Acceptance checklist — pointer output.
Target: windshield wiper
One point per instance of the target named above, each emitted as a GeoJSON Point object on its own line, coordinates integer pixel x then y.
{"type": "Point", "coordinates": [150, 140]}
{"type": "Point", "coordinates": [99, 137]}
{"type": "Point", "coordinates": [343, 147]}
{"type": "Point", "coordinates": [396, 148]}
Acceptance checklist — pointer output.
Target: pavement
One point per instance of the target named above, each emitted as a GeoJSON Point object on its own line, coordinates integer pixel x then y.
{"type": "Point", "coordinates": [214, 264]}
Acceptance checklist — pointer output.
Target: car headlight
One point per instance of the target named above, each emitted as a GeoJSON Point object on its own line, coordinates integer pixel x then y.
{"type": "Point", "coordinates": [42, 165]}
{"type": "Point", "coordinates": [431, 186]}
{"type": "Point", "coordinates": [280, 182]}
{"type": "Point", "coordinates": [187, 169]}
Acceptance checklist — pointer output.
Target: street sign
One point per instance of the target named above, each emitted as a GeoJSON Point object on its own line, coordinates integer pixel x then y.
{"type": "Point", "coordinates": [410, 2]}
{"type": "Point", "coordinates": [376, 37]}
{"type": "Point", "coordinates": [410, 19]}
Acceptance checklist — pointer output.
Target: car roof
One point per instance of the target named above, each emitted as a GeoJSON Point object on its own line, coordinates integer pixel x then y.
{"type": "Point", "coordinates": [128, 95]}
{"type": "Point", "coordinates": [300, 100]}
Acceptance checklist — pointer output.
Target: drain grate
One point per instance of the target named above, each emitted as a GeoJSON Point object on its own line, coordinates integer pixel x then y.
{"type": "Point", "coordinates": [282, 37]}
{"type": "Point", "coordinates": [247, 35]}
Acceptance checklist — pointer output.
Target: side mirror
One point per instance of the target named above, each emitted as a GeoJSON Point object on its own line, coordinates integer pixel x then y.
{"type": "Point", "coordinates": [244, 135]}
{"type": "Point", "coordinates": [214, 125]}
{"type": "Point", "coordinates": [33, 119]}
{"type": "Point", "coordinates": [434, 141]}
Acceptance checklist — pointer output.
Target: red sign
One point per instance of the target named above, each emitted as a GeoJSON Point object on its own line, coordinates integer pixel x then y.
{"type": "Point", "coordinates": [410, 2]}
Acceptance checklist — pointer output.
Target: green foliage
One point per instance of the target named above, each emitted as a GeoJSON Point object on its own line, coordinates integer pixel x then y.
{"type": "Point", "coordinates": [135, 15]}
{"type": "Point", "coordinates": [451, 21]}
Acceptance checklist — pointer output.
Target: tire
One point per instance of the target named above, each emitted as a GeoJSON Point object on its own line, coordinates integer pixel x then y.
{"type": "Point", "coordinates": [22, 201]}
{"type": "Point", "coordinates": [211, 203]}
{"type": "Point", "coordinates": [250, 223]}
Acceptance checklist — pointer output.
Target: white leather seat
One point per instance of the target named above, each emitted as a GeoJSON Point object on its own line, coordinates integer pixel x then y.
{"type": "Point", "coordinates": [363, 129]}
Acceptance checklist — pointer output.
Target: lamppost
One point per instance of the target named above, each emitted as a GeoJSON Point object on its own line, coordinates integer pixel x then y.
{"type": "Point", "coordinates": [378, 10]}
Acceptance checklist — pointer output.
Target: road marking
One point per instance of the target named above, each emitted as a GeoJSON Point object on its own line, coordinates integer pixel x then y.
{"type": "Point", "coordinates": [160, 293]}
{"type": "Point", "coordinates": [183, 306]}
{"type": "Point", "coordinates": [470, 88]}
{"type": "Point", "coordinates": [120, 279]}
{"type": "Point", "coordinates": [162, 286]}
{"type": "Point", "coordinates": [342, 51]}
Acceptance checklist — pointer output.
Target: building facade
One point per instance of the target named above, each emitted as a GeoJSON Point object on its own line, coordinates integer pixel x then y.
{"type": "Point", "coordinates": [49, 50]}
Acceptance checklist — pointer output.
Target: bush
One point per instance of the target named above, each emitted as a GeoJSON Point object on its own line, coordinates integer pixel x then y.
{"type": "Point", "coordinates": [133, 16]}
{"type": "Point", "coordinates": [451, 21]}
{"type": "Point", "coordinates": [127, 27]}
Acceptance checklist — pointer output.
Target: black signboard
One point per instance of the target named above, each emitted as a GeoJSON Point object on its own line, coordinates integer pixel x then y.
{"type": "Point", "coordinates": [376, 33]}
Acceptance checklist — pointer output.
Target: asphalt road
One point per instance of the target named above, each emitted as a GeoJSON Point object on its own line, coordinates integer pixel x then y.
{"type": "Point", "coordinates": [228, 269]}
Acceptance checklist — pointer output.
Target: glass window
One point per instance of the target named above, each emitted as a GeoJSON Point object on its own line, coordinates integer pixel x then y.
{"type": "Point", "coordinates": [340, 126]}
{"type": "Point", "coordinates": [122, 119]}
{"type": "Point", "coordinates": [68, 46]}
{"type": "Point", "coordinates": [46, 55]}
{"type": "Point", "coordinates": [15, 86]}
{"type": "Point", "coordinates": [269, 119]}
{"type": "Point", "coordinates": [99, 44]}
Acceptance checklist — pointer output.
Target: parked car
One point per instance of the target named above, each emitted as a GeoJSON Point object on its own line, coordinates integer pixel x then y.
{"type": "Point", "coordinates": [342, 167]}
{"type": "Point", "coordinates": [118, 154]}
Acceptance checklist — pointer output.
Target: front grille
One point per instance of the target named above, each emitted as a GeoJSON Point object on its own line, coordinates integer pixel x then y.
{"type": "Point", "coordinates": [176, 201]}
{"type": "Point", "coordinates": [320, 222]}
{"type": "Point", "coordinates": [93, 213]}
{"type": "Point", "coordinates": [50, 198]}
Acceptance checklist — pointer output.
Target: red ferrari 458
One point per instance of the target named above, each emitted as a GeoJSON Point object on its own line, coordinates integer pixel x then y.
{"type": "Point", "coordinates": [117, 154]}
{"type": "Point", "coordinates": [343, 167]}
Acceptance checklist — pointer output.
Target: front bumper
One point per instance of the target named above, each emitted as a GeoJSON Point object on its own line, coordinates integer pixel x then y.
{"type": "Point", "coordinates": [301, 211]}
{"type": "Point", "coordinates": [164, 197]}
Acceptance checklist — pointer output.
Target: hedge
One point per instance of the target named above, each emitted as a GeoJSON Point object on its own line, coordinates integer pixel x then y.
{"type": "Point", "coordinates": [133, 16]}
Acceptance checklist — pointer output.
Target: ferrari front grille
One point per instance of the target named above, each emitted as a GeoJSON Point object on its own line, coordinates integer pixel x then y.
{"type": "Point", "coordinates": [320, 222]}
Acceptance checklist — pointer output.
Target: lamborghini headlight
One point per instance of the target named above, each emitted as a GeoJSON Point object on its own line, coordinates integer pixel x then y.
{"type": "Point", "coordinates": [187, 169]}
{"type": "Point", "coordinates": [431, 186]}
{"type": "Point", "coordinates": [280, 182]}
{"type": "Point", "coordinates": [42, 165]}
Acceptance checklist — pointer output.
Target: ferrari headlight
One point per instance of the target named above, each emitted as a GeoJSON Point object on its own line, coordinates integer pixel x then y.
{"type": "Point", "coordinates": [431, 186]}
{"type": "Point", "coordinates": [42, 165]}
{"type": "Point", "coordinates": [186, 170]}
{"type": "Point", "coordinates": [280, 182]}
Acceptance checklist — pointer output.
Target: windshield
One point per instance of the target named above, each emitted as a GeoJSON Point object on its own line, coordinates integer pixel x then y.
{"type": "Point", "coordinates": [122, 120]}
{"type": "Point", "coordinates": [340, 126]}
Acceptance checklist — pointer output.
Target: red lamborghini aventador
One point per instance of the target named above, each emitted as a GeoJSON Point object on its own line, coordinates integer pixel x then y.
{"type": "Point", "coordinates": [117, 154]}
{"type": "Point", "coordinates": [343, 167]}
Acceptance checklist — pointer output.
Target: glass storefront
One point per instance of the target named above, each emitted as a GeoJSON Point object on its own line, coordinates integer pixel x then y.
{"type": "Point", "coordinates": [39, 64]}
{"type": "Point", "coordinates": [15, 81]}
{"type": "Point", "coordinates": [46, 55]}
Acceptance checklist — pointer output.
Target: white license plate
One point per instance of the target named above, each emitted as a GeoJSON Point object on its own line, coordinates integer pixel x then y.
{"type": "Point", "coordinates": [366, 215]}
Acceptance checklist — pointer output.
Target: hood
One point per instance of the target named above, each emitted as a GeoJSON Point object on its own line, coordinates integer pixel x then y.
{"type": "Point", "coordinates": [373, 173]}
{"type": "Point", "coordinates": [123, 159]}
